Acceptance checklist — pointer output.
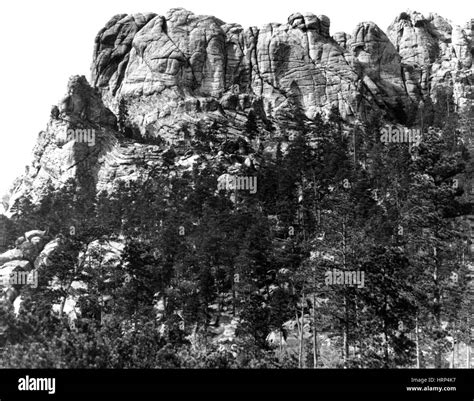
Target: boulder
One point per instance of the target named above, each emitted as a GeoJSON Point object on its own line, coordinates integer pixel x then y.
{"type": "Point", "coordinates": [34, 233]}
{"type": "Point", "coordinates": [12, 254]}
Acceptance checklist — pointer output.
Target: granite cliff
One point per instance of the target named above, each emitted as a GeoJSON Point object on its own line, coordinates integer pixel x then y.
{"type": "Point", "coordinates": [159, 82]}
{"type": "Point", "coordinates": [173, 71]}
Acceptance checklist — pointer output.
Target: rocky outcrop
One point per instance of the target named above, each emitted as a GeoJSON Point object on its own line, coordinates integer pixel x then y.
{"type": "Point", "coordinates": [181, 55]}
{"type": "Point", "coordinates": [72, 143]}
{"type": "Point", "coordinates": [112, 49]}
{"type": "Point", "coordinates": [23, 258]}
{"type": "Point", "coordinates": [435, 53]}
{"type": "Point", "coordinates": [165, 77]}
{"type": "Point", "coordinates": [82, 104]}
{"type": "Point", "coordinates": [379, 65]}
{"type": "Point", "coordinates": [33, 254]}
{"type": "Point", "coordinates": [159, 82]}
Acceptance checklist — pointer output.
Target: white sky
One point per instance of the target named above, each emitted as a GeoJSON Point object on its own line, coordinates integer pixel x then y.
{"type": "Point", "coordinates": [44, 42]}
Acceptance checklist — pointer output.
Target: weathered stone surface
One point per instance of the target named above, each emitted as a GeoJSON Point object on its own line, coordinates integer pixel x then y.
{"type": "Point", "coordinates": [10, 255]}
{"type": "Point", "coordinates": [342, 39]}
{"type": "Point", "coordinates": [180, 60]}
{"type": "Point", "coordinates": [181, 71]}
{"type": "Point", "coordinates": [379, 65]}
{"type": "Point", "coordinates": [112, 49]}
{"type": "Point", "coordinates": [176, 71]}
{"type": "Point", "coordinates": [71, 145]}
{"type": "Point", "coordinates": [434, 53]}
{"type": "Point", "coordinates": [8, 292]}
{"type": "Point", "coordinates": [43, 258]}
{"type": "Point", "coordinates": [99, 254]}
{"type": "Point", "coordinates": [84, 104]}
{"type": "Point", "coordinates": [14, 265]}
{"type": "Point", "coordinates": [34, 233]}
{"type": "Point", "coordinates": [20, 240]}
{"type": "Point", "coordinates": [30, 250]}
{"type": "Point", "coordinates": [182, 55]}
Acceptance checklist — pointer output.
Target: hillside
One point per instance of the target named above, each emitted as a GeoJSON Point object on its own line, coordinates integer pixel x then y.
{"type": "Point", "coordinates": [279, 196]}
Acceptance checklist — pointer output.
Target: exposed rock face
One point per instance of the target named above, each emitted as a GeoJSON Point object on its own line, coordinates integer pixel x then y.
{"type": "Point", "coordinates": [176, 71]}
{"type": "Point", "coordinates": [179, 72]}
{"type": "Point", "coordinates": [34, 254]}
{"type": "Point", "coordinates": [72, 143]}
{"type": "Point", "coordinates": [379, 65]}
{"type": "Point", "coordinates": [179, 56]}
{"type": "Point", "coordinates": [24, 257]}
{"type": "Point", "coordinates": [112, 48]}
{"type": "Point", "coordinates": [83, 104]}
{"type": "Point", "coordinates": [182, 55]}
{"type": "Point", "coordinates": [434, 53]}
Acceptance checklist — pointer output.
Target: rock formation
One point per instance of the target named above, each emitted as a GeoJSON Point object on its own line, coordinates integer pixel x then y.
{"type": "Point", "coordinates": [182, 55]}
{"type": "Point", "coordinates": [157, 80]}
{"type": "Point", "coordinates": [161, 75]}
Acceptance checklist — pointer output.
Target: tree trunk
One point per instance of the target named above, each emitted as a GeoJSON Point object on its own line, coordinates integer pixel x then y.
{"type": "Point", "coordinates": [298, 325]}
{"type": "Point", "coordinates": [63, 302]}
{"type": "Point", "coordinates": [354, 144]}
{"type": "Point", "coordinates": [453, 356]}
{"type": "Point", "coordinates": [437, 313]}
{"type": "Point", "coordinates": [315, 333]}
{"type": "Point", "coordinates": [233, 292]}
{"type": "Point", "coordinates": [385, 336]}
{"type": "Point", "coordinates": [357, 352]}
{"type": "Point", "coordinates": [468, 355]}
{"type": "Point", "coordinates": [302, 350]}
{"type": "Point", "coordinates": [61, 309]}
{"type": "Point", "coordinates": [281, 346]}
{"type": "Point", "coordinates": [345, 335]}
{"type": "Point", "coordinates": [417, 343]}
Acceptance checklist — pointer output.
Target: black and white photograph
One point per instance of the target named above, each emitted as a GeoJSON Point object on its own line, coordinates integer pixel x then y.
{"type": "Point", "coordinates": [240, 187]}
